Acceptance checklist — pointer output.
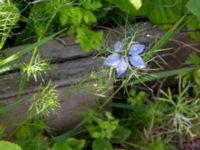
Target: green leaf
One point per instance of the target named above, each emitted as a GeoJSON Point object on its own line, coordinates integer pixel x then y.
{"type": "Point", "coordinates": [120, 135]}
{"type": "Point", "coordinates": [61, 146]}
{"type": "Point", "coordinates": [5, 145]}
{"type": "Point", "coordinates": [89, 39]}
{"type": "Point", "coordinates": [194, 6]}
{"type": "Point", "coordinates": [161, 15]}
{"type": "Point", "coordinates": [89, 17]}
{"type": "Point", "coordinates": [69, 144]}
{"type": "Point", "coordinates": [76, 144]}
{"type": "Point", "coordinates": [137, 4]}
{"type": "Point", "coordinates": [101, 144]}
{"type": "Point", "coordinates": [193, 59]}
{"type": "Point", "coordinates": [76, 15]}
{"type": "Point", "coordinates": [91, 4]}
{"type": "Point", "coordinates": [130, 6]}
{"type": "Point", "coordinates": [193, 25]}
{"type": "Point", "coordinates": [63, 17]}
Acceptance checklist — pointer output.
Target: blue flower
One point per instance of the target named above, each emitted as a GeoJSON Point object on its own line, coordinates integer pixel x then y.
{"type": "Point", "coordinates": [121, 62]}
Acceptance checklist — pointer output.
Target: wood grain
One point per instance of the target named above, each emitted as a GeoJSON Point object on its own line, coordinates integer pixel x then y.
{"type": "Point", "coordinates": [69, 65]}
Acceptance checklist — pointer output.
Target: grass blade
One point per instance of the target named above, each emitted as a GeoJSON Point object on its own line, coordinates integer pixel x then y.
{"type": "Point", "coordinates": [165, 38]}
{"type": "Point", "coordinates": [163, 74]}
{"type": "Point", "coordinates": [28, 49]}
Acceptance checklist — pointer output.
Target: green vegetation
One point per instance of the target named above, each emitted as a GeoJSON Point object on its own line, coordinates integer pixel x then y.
{"type": "Point", "coordinates": [152, 118]}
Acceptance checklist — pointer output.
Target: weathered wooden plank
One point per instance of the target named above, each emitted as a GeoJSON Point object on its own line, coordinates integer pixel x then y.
{"type": "Point", "coordinates": [53, 50]}
{"type": "Point", "coordinates": [70, 64]}
{"type": "Point", "coordinates": [72, 104]}
{"type": "Point", "coordinates": [62, 74]}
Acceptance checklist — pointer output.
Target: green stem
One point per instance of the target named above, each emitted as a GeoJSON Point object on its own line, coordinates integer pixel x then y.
{"type": "Point", "coordinates": [40, 38]}
{"type": "Point", "coordinates": [165, 38]}
{"type": "Point", "coordinates": [23, 82]}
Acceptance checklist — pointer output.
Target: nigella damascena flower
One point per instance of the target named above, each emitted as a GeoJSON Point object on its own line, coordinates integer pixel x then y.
{"type": "Point", "coordinates": [121, 62]}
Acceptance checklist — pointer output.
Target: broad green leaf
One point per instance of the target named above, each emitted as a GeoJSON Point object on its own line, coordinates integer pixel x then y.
{"type": "Point", "coordinates": [61, 146]}
{"type": "Point", "coordinates": [76, 15]}
{"type": "Point", "coordinates": [162, 15]}
{"type": "Point", "coordinates": [5, 145]}
{"type": "Point", "coordinates": [91, 4]}
{"type": "Point", "coordinates": [194, 6]}
{"type": "Point", "coordinates": [137, 4]}
{"type": "Point", "coordinates": [130, 6]}
{"type": "Point", "coordinates": [89, 17]}
{"type": "Point", "coordinates": [89, 39]}
{"type": "Point", "coordinates": [120, 135]}
{"type": "Point", "coordinates": [63, 17]}
{"type": "Point", "coordinates": [76, 144]}
{"type": "Point", "coordinates": [101, 144]}
{"type": "Point", "coordinates": [69, 144]}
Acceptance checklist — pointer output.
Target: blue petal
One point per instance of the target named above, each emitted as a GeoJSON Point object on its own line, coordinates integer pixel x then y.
{"type": "Point", "coordinates": [112, 60]}
{"type": "Point", "coordinates": [118, 46]}
{"type": "Point", "coordinates": [136, 49]}
{"type": "Point", "coordinates": [121, 67]}
{"type": "Point", "coordinates": [137, 61]}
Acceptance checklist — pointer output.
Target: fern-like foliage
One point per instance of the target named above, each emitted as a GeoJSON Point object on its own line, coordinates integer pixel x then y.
{"type": "Point", "coordinates": [9, 16]}
{"type": "Point", "coordinates": [45, 101]}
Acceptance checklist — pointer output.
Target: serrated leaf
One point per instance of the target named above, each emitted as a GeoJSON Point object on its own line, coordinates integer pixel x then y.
{"type": "Point", "coordinates": [76, 15]}
{"type": "Point", "coordinates": [89, 17]}
{"type": "Point", "coordinates": [89, 39]}
{"type": "Point", "coordinates": [5, 145]}
{"type": "Point", "coordinates": [101, 144]}
{"type": "Point", "coordinates": [91, 4]}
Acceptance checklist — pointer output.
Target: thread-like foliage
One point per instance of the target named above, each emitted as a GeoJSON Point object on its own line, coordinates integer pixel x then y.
{"type": "Point", "coordinates": [9, 15]}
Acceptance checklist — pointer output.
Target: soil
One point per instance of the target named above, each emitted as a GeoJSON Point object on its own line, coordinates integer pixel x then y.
{"type": "Point", "coordinates": [193, 145]}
